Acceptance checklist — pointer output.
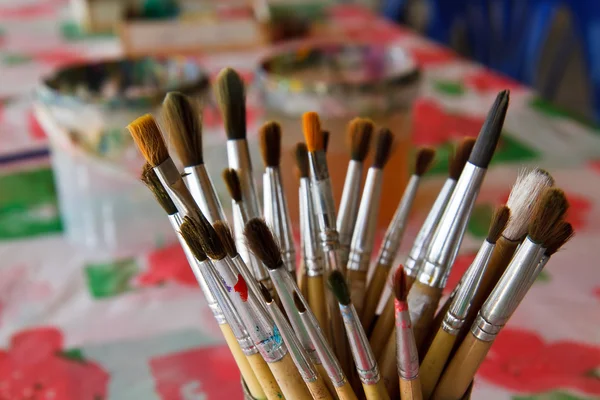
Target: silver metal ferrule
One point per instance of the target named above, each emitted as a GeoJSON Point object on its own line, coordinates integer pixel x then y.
{"type": "Point", "coordinates": [169, 176]}
{"type": "Point", "coordinates": [239, 159]}
{"type": "Point", "coordinates": [423, 239]}
{"type": "Point", "coordinates": [286, 287]}
{"type": "Point", "coordinates": [203, 192]}
{"type": "Point", "coordinates": [240, 218]}
{"type": "Point", "coordinates": [258, 322]}
{"type": "Point", "coordinates": [311, 251]}
{"type": "Point", "coordinates": [368, 372]}
{"type": "Point", "coordinates": [393, 235]}
{"type": "Point", "coordinates": [406, 349]}
{"type": "Point", "coordinates": [346, 217]}
{"type": "Point", "coordinates": [252, 283]}
{"type": "Point", "coordinates": [469, 283]}
{"type": "Point", "coordinates": [449, 233]}
{"type": "Point", "coordinates": [323, 197]}
{"type": "Point", "coordinates": [366, 222]}
{"type": "Point", "coordinates": [299, 355]}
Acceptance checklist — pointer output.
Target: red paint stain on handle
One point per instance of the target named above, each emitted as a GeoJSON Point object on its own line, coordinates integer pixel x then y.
{"type": "Point", "coordinates": [242, 288]}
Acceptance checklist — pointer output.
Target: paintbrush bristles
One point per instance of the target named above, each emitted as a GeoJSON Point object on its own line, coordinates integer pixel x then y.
{"type": "Point", "coordinates": [147, 137]}
{"type": "Point", "coordinates": [337, 284]}
{"type": "Point", "coordinates": [384, 147]}
{"type": "Point", "coordinates": [190, 233]}
{"type": "Point", "coordinates": [424, 160]}
{"type": "Point", "coordinates": [460, 158]}
{"type": "Point", "coordinates": [209, 240]}
{"type": "Point", "coordinates": [301, 153]}
{"type": "Point", "coordinates": [231, 96]}
{"type": "Point", "coordinates": [262, 243]}
{"type": "Point", "coordinates": [561, 235]}
{"type": "Point", "coordinates": [360, 131]}
{"type": "Point", "coordinates": [182, 117]}
{"type": "Point", "coordinates": [270, 143]}
{"type": "Point", "coordinates": [224, 232]}
{"type": "Point", "coordinates": [232, 181]}
{"type": "Point", "coordinates": [399, 285]}
{"type": "Point", "coordinates": [488, 138]}
{"type": "Point", "coordinates": [499, 221]}
{"type": "Point", "coordinates": [150, 179]}
{"type": "Point", "coordinates": [550, 209]}
{"type": "Point", "coordinates": [311, 126]}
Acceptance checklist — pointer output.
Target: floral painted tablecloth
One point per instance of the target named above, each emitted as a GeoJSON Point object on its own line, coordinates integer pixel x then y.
{"type": "Point", "coordinates": [138, 328]}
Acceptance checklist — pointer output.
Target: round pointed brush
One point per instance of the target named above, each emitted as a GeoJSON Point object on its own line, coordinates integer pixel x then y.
{"type": "Point", "coordinates": [359, 133]}
{"type": "Point", "coordinates": [439, 351]}
{"type": "Point", "coordinates": [505, 298]}
{"type": "Point", "coordinates": [182, 117]}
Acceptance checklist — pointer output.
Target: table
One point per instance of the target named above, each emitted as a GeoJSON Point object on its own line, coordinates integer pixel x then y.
{"type": "Point", "coordinates": [138, 328]}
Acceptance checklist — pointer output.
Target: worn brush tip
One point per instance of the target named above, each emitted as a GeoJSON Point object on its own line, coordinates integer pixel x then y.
{"type": "Point", "coordinates": [424, 160]}
{"type": "Point", "coordinates": [488, 138]}
{"type": "Point", "coordinates": [385, 144]}
{"type": "Point", "coordinates": [549, 210]}
{"type": "Point", "coordinates": [360, 131]}
{"type": "Point", "coordinates": [311, 126]}
{"type": "Point", "coordinates": [562, 233]}
{"type": "Point", "coordinates": [499, 221]}
{"type": "Point", "coordinates": [191, 235]}
{"type": "Point", "coordinates": [270, 143]}
{"type": "Point", "coordinates": [224, 232]}
{"type": "Point", "coordinates": [337, 284]}
{"type": "Point", "coordinates": [150, 179]}
{"type": "Point", "coordinates": [183, 123]}
{"type": "Point", "coordinates": [233, 184]}
{"type": "Point", "coordinates": [399, 286]}
{"type": "Point", "coordinates": [262, 243]}
{"type": "Point", "coordinates": [208, 238]}
{"type": "Point", "coordinates": [231, 96]}
{"type": "Point", "coordinates": [326, 136]}
{"type": "Point", "coordinates": [301, 153]}
{"type": "Point", "coordinates": [460, 158]}
{"type": "Point", "coordinates": [299, 304]}
{"type": "Point", "coordinates": [147, 137]}
{"type": "Point", "coordinates": [265, 293]}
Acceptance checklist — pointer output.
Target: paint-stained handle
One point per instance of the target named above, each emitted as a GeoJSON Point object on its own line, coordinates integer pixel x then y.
{"type": "Point", "coordinates": [373, 295]}
{"type": "Point", "coordinates": [435, 360]}
{"type": "Point", "coordinates": [384, 326]}
{"type": "Point", "coordinates": [376, 391]}
{"type": "Point", "coordinates": [318, 389]}
{"type": "Point", "coordinates": [265, 377]}
{"type": "Point", "coordinates": [287, 376]}
{"type": "Point", "coordinates": [345, 392]}
{"type": "Point", "coordinates": [357, 283]}
{"type": "Point", "coordinates": [316, 301]}
{"type": "Point", "coordinates": [410, 390]}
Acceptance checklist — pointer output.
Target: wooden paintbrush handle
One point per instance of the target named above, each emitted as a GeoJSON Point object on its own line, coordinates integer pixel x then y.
{"type": "Point", "coordinates": [422, 303]}
{"type": "Point", "coordinates": [303, 280]}
{"type": "Point", "coordinates": [318, 389]}
{"type": "Point", "coordinates": [265, 377]}
{"type": "Point", "coordinates": [384, 326]}
{"type": "Point", "coordinates": [345, 392]}
{"type": "Point", "coordinates": [246, 371]}
{"type": "Point", "coordinates": [435, 326]}
{"type": "Point", "coordinates": [376, 391]}
{"type": "Point", "coordinates": [435, 360]}
{"type": "Point", "coordinates": [373, 295]}
{"type": "Point", "coordinates": [357, 283]}
{"type": "Point", "coordinates": [323, 373]}
{"type": "Point", "coordinates": [459, 374]}
{"type": "Point", "coordinates": [410, 390]}
{"type": "Point", "coordinates": [316, 301]}
{"type": "Point", "coordinates": [388, 365]}
{"type": "Point", "coordinates": [287, 376]}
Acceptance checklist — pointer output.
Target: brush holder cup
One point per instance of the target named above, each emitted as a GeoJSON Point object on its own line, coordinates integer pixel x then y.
{"type": "Point", "coordinates": [84, 110]}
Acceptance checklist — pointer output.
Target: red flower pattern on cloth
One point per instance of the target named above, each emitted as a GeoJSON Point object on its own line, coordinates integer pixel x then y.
{"type": "Point", "coordinates": [595, 166]}
{"type": "Point", "coordinates": [485, 80]}
{"type": "Point", "coordinates": [34, 367]}
{"type": "Point", "coordinates": [460, 266]}
{"type": "Point", "coordinates": [521, 361]}
{"type": "Point", "coordinates": [35, 129]}
{"type": "Point", "coordinates": [40, 9]}
{"type": "Point", "coordinates": [434, 126]}
{"type": "Point", "coordinates": [167, 265]}
{"type": "Point", "coordinates": [59, 57]}
{"type": "Point", "coordinates": [579, 209]}
{"type": "Point", "coordinates": [209, 372]}
{"type": "Point", "coordinates": [431, 55]}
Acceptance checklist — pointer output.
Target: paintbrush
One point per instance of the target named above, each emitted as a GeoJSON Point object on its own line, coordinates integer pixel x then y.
{"type": "Point", "coordinates": [276, 211]}
{"type": "Point", "coordinates": [366, 221]}
{"type": "Point", "coordinates": [332, 366]}
{"type": "Point", "coordinates": [504, 299]}
{"type": "Point", "coordinates": [391, 244]}
{"type": "Point", "coordinates": [237, 338]}
{"type": "Point", "coordinates": [240, 218]}
{"type": "Point", "coordinates": [182, 117]}
{"type": "Point", "coordinates": [311, 252]}
{"type": "Point", "coordinates": [366, 366]}
{"type": "Point", "coordinates": [328, 235]}
{"type": "Point", "coordinates": [443, 342]}
{"type": "Point", "coordinates": [258, 322]}
{"type": "Point", "coordinates": [359, 134]}
{"type": "Point", "coordinates": [231, 96]}
{"type": "Point", "coordinates": [311, 377]}
{"type": "Point", "coordinates": [325, 140]}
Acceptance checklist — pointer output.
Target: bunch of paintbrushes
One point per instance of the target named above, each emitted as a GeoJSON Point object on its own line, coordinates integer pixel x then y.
{"type": "Point", "coordinates": [312, 331]}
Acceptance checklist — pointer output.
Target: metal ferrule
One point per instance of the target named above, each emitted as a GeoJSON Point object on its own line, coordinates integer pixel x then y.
{"type": "Point", "coordinates": [451, 228]}
{"type": "Point", "coordinates": [459, 308]}
{"type": "Point", "coordinates": [285, 286]}
{"type": "Point", "coordinates": [169, 176]}
{"type": "Point", "coordinates": [368, 372]}
{"type": "Point", "coordinates": [323, 197]}
{"type": "Point", "coordinates": [299, 355]}
{"type": "Point", "coordinates": [313, 259]}
{"type": "Point", "coordinates": [258, 323]}
{"type": "Point", "coordinates": [324, 350]}
{"type": "Point", "coordinates": [239, 159]}
{"type": "Point", "coordinates": [393, 235]}
{"type": "Point", "coordinates": [240, 218]}
{"type": "Point", "coordinates": [252, 283]}
{"type": "Point", "coordinates": [366, 222]}
{"type": "Point", "coordinates": [406, 348]}
{"type": "Point", "coordinates": [203, 191]}
{"type": "Point", "coordinates": [423, 239]}
{"type": "Point", "coordinates": [346, 217]}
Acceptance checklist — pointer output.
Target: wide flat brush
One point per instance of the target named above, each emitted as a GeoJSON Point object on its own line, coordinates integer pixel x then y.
{"type": "Point", "coordinates": [359, 134]}
{"type": "Point", "coordinates": [505, 298]}
{"type": "Point", "coordinates": [182, 116]}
